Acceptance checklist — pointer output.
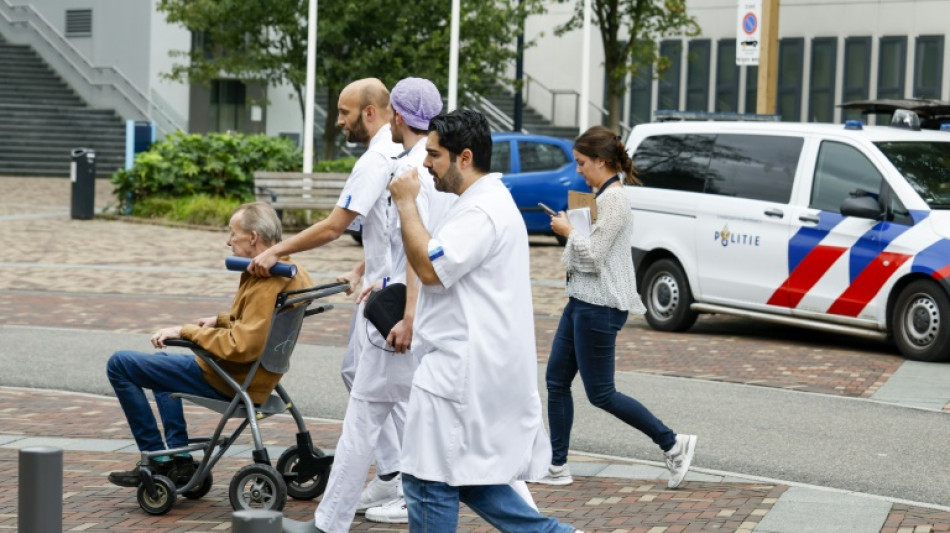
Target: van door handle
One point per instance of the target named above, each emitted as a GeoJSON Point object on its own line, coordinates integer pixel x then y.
{"type": "Point", "coordinates": [777, 213]}
{"type": "Point", "coordinates": [811, 219]}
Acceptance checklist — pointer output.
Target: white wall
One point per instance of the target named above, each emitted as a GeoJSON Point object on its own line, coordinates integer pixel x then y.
{"type": "Point", "coordinates": [555, 61]}
{"type": "Point", "coordinates": [165, 38]}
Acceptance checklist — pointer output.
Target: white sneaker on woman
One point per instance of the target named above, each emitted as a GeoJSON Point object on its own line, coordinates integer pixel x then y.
{"type": "Point", "coordinates": [679, 458]}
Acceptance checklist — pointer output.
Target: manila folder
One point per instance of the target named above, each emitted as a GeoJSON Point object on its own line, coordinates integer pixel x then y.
{"type": "Point", "coordinates": [578, 200]}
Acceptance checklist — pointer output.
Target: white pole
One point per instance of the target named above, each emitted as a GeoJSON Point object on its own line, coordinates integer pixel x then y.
{"type": "Point", "coordinates": [454, 56]}
{"type": "Point", "coordinates": [309, 94]}
{"type": "Point", "coordinates": [582, 114]}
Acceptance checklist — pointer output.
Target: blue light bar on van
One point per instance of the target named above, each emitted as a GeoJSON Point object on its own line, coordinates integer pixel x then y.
{"type": "Point", "coordinates": [853, 125]}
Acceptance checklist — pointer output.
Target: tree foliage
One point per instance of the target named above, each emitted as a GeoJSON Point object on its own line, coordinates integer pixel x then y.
{"type": "Point", "coordinates": [629, 31]}
{"type": "Point", "coordinates": [267, 42]}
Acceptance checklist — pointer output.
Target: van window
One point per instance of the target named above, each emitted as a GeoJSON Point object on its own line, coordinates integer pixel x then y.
{"type": "Point", "coordinates": [925, 165]}
{"type": "Point", "coordinates": [759, 167]}
{"type": "Point", "coordinates": [676, 162]}
{"type": "Point", "coordinates": [841, 171]}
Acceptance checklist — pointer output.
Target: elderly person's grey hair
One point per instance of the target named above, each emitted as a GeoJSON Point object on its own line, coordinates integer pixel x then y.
{"type": "Point", "coordinates": [260, 217]}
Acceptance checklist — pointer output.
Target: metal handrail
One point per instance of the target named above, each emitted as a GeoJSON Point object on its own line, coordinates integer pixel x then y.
{"type": "Point", "coordinates": [110, 78]}
{"type": "Point", "coordinates": [497, 118]}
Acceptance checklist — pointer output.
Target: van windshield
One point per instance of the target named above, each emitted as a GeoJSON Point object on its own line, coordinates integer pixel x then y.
{"type": "Point", "coordinates": [925, 165]}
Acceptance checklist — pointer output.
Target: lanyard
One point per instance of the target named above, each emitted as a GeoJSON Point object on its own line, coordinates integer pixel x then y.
{"type": "Point", "coordinates": [606, 184]}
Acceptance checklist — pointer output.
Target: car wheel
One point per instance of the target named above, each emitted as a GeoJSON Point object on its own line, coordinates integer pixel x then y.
{"type": "Point", "coordinates": [921, 322]}
{"type": "Point", "coordinates": [667, 297]}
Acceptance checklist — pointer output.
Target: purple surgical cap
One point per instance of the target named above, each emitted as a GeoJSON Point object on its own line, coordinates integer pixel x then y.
{"type": "Point", "coordinates": [417, 100]}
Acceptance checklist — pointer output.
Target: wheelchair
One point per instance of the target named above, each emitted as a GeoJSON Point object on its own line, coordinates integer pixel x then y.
{"type": "Point", "coordinates": [302, 471]}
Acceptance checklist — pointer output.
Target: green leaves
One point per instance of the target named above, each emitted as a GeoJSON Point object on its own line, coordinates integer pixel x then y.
{"type": "Point", "coordinates": [217, 164]}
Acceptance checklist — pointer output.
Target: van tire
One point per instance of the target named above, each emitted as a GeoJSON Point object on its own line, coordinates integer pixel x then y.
{"type": "Point", "coordinates": [921, 322]}
{"type": "Point", "coordinates": [667, 297]}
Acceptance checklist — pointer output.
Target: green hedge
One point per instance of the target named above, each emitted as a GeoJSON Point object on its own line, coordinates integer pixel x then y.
{"type": "Point", "coordinates": [219, 165]}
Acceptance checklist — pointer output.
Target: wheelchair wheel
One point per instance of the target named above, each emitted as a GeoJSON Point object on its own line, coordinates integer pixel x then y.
{"type": "Point", "coordinates": [301, 489]}
{"type": "Point", "coordinates": [199, 492]}
{"type": "Point", "coordinates": [164, 496]}
{"type": "Point", "coordinates": [258, 487]}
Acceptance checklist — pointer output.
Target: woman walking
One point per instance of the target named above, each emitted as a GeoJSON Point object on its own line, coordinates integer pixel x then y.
{"type": "Point", "coordinates": [602, 290]}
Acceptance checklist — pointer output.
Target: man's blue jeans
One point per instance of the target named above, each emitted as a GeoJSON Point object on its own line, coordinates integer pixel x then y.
{"type": "Point", "coordinates": [434, 508]}
{"type": "Point", "coordinates": [164, 373]}
{"type": "Point", "coordinates": [586, 341]}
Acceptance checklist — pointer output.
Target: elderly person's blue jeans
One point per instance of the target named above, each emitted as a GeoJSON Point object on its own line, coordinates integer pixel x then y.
{"type": "Point", "coordinates": [164, 373]}
{"type": "Point", "coordinates": [434, 508]}
{"type": "Point", "coordinates": [585, 342]}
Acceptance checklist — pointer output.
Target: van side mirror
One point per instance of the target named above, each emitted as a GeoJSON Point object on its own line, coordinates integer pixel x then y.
{"type": "Point", "coordinates": [862, 207]}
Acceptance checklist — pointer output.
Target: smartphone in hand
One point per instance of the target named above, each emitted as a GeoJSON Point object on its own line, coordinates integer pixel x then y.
{"type": "Point", "coordinates": [547, 209]}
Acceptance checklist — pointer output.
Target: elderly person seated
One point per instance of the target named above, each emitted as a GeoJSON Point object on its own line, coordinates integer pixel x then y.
{"type": "Point", "coordinates": [236, 337]}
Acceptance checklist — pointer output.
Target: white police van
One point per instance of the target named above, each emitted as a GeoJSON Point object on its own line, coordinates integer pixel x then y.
{"type": "Point", "coordinates": [842, 228]}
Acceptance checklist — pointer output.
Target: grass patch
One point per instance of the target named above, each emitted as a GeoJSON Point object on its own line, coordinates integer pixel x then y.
{"type": "Point", "coordinates": [199, 210]}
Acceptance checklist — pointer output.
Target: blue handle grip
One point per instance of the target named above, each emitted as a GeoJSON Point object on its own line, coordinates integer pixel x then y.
{"type": "Point", "coordinates": [239, 264]}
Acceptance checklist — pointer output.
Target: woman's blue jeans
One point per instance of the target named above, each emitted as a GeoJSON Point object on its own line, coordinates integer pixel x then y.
{"type": "Point", "coordinates": [586, 342]}
{"type": "Point", "coordinates": [164, 373]}
{"type": "Point", "coordinates": [434, 508]}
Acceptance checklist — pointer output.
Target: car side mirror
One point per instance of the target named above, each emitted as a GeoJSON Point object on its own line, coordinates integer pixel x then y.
{"type": "Point", "coordinates": [862, 207]}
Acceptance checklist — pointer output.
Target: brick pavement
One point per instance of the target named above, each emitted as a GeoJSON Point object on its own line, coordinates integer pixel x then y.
{"type": "Point", "coordinates": [95, 275]}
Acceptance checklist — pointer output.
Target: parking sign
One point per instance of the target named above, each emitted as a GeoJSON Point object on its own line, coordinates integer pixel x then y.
{"type": "Point", "coordinates": [749, 32]}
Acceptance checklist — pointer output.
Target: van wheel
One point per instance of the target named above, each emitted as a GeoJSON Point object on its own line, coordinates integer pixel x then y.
{"type": "Point", "coordinates": [667, 297]}
{"type": "Point", "coordinates": [921, 322]}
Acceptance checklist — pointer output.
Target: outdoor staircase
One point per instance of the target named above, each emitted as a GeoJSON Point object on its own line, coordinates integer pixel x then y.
{"type": "Point", "coordinates": [531, 121]}
{"type": "Point", "coordinates": [42, 120]}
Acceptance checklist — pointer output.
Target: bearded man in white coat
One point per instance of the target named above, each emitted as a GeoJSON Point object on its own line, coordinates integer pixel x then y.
{"type": "Point", "coordinates": [474, 416]}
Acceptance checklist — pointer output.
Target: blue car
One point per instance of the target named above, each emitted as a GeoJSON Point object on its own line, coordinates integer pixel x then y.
{"type": "Point", "coordinates": [536, 168]}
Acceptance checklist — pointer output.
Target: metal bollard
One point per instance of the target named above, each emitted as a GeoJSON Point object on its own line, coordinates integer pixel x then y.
{"type": "Point", "coordinates": [256, 521]}
{"type": "Point", "coordinates": [40, 508]}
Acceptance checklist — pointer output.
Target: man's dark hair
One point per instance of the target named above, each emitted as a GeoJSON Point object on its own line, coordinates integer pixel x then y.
{"type": "Point", "coordinates": [461, 129]}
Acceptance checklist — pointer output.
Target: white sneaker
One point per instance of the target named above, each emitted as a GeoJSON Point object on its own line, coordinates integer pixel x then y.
{"type": "Point", "coordinates": [379, 492]}
{"type": "Point", "coordinates": [680, 458]}
{"type": "Point", "coordinates": [394, 512]}
{"type": "Point", "coordinates": [557, 475]}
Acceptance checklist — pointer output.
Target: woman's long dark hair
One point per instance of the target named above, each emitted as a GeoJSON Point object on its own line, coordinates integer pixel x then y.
{"type": "Point", "coordinates": [600, 142]}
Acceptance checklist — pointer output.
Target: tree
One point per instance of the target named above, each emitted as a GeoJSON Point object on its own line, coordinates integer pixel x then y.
{"type": "Point", "coordinates": [267, 42]}
{"type": "Point", "coordinates": [642, 23]}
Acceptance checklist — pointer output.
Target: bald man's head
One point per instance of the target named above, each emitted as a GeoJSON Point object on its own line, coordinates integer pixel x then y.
{"type": "Point", "coordinates": [363, 108]}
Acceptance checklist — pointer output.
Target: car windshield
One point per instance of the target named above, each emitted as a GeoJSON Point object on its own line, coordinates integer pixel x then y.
{"type": "Point", "coordinates": [925, 165]}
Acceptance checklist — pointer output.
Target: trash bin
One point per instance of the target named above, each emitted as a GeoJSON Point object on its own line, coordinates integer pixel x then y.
{"type": "Point", "coordinates": [82, 174]}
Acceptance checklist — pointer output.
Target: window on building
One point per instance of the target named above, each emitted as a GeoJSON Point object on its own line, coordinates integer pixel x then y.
{"type": "Point", "coordinates": [892, 64]}
{"type": "Point", "coordinates": [641, 95]}
{"type": "Point", "coordinates": [78, 23]}
{"type": "Point", "coordinates": [228, 105]}
{"type": "Point", "coordinates": [857, 73]}
{"type": "Point", "coordinates": [791, 55]}
{"type": "Point", "coordinates": [759, 167]}
{"type": "Point", "coordinates": [677, 162]}
{"type": "Point", "coordinates": [841, 171]}
{"type": "Point", "coordinates": [697, 75]}
{"type": "Point", "coordinates": [538, 157]}
{"type": "Point", "coordinates": [751, 89]}
{"type": "Point", "coordinates": [821, 97]}
{"type": "Point", "coordinates": [727, 76]}
{"type": "Point", "coordinates": [928, 66]}
{"type": "Point", "coordinates": [668, 92]}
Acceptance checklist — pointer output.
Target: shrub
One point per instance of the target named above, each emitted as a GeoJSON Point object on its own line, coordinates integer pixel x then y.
{"type": "Point", "coordinates": [216, 164]}
{"type": "Point", "coordinates": [344, 164]}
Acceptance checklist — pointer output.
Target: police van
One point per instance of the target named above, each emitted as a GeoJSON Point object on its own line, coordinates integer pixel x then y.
{"type": "Point", "coordinates": [843, 228]}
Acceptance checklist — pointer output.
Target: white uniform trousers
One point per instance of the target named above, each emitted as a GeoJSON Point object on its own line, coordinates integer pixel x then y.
{"type": "Point", "coordinates": [354, 452]}
{"type": "Point", "coordinates": [388, 447]}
